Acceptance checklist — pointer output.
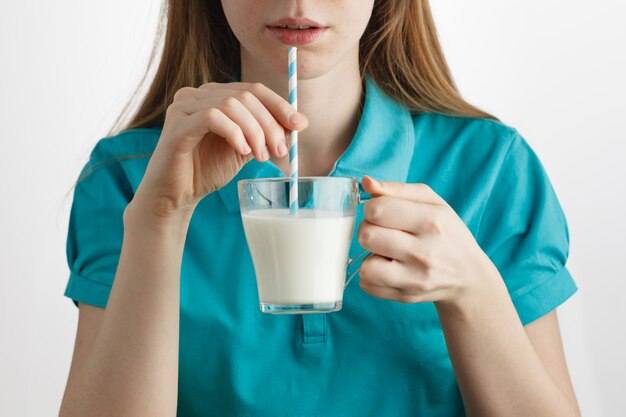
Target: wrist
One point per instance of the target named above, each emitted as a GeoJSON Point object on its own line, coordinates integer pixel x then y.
{"type": "Point", "coordinates": [486, 290]}
{"type": "Point", "coordinates": [156, 217]}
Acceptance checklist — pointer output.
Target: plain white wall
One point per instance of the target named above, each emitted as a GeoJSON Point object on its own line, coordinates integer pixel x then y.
{"type": "Point", "coordinates": [553, 69]}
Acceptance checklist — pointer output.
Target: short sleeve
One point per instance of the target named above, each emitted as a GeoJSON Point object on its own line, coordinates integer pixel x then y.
{"type": "Point", "coordinates": [96, 230]}
{"type": "Point", "coordinates": [524, 232]}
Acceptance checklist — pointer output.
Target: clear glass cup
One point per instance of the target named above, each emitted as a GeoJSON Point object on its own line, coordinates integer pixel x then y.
{"type": "Point", "coordinates": [300, 260]}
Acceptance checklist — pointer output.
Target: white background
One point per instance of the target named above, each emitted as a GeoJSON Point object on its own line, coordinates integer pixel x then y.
{"type": "Point", "coordinates": [552, 69]}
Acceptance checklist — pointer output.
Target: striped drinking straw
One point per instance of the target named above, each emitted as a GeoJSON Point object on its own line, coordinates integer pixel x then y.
{"type": "Point", "coordinates": [293, 134]}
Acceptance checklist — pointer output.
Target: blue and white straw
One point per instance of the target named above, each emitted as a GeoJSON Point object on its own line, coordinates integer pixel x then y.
{"type": "Point", "coordinates": [293, 134]}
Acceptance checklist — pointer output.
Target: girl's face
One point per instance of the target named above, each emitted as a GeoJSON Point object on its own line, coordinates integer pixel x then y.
{"type": "Point", "coordinates": [257, 24]}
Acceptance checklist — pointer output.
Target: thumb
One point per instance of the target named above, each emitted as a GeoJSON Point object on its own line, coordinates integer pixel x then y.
{"type": "Point", "coordinates": [372, 186]}
{"type": "Point", "coordinates": [418, 192]}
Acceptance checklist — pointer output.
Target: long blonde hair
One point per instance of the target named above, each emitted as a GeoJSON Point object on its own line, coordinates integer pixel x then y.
{"type": "Point", "coordinates": [399, 50]}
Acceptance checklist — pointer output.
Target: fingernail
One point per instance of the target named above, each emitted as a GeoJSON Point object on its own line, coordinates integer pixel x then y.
{"type": "Point", "coordinates": [282, 149]}
{"type": "Point", "coordinates": [376, 183]}
{"type": "Point", "coordinates": [246, 149]}
{"type": "Point", "coordinates": [296, 118]}
{"type": "Point", "coordinates": [265, 155]}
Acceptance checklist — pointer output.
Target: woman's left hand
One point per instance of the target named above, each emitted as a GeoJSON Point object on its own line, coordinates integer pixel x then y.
{"type": "Point", "coordinates": [422, 250]}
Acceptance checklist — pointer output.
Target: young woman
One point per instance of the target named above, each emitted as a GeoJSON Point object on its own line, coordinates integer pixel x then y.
{"type": "Point", "coordinates": [455, 313]}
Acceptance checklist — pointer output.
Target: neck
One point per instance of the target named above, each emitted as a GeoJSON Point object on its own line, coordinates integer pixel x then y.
{"type": "Point", "coordinates": [331, 102]}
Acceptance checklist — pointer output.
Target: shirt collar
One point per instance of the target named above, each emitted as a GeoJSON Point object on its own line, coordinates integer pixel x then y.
{"type": "Point", "coordinates": [382, 147]}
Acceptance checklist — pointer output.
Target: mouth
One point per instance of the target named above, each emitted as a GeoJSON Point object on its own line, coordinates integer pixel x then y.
{"type": "Point", "coordinates": [294, 27]}
{"type": "Point", "coordinates": [295, 23]}
{"type": "Point", "coordinates": [296, 31]}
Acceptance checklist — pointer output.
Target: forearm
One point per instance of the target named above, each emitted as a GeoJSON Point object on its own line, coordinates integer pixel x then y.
{"type": "Point", "coordinates": [498, 370]}
{"type": "Point", "coordinates": [132, 367]}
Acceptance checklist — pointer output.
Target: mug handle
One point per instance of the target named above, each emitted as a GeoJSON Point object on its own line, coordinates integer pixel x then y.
{"type": "Point", "coordinates": [353, 260]}
{"type": "Point", "coordinates": [362, 198]}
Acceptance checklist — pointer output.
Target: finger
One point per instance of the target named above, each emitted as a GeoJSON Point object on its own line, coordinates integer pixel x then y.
{"type": "Point", "coordinates": [409, 279]}
{"type": "Point", "coordinates": [380, 271]}
{"type": "Point", "coordinates": [392, 243]}
{"type": "Point", "coordinates": [417, 192]}
{"type": "Point", "coordinates": [395, 294]}
{"type": "Point", "coordinates": [275, 135]}
{"type": "Point", "coordinates": [401, 214]}
{"type": "Point", "coordinates": [185, 93]}
{"type": "Point", "coordinates": [196, 126]}
{"type": "Point", "coordinates": [386, 293]}
{"type": "Point", "coordinates": [252, 130]}
{"type": "Point", "coordinates": [280, 108]}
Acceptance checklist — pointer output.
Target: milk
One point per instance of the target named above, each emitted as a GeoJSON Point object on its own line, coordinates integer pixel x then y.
{"type": "Point", "coordinates": [299, 259]}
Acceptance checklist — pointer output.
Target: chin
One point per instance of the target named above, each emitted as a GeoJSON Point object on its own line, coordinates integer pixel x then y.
{"type": "Point", "coordinates": [314, 61]}
{"type": "Point", "coordinates": [309, 69]}
{"type": "Point", "coordinates": [311, 65]}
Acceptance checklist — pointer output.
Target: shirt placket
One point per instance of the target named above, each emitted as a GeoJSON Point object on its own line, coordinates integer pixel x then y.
{"type": "Point", "coordinates": [313, 328]}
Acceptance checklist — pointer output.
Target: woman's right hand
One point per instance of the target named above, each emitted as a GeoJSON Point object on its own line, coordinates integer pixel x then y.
{"type": "Point", "coordinates": [208, 135]}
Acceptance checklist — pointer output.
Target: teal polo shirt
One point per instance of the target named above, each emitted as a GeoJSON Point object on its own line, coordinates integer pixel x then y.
{"type": "Point", "coordinates": [374, 357]}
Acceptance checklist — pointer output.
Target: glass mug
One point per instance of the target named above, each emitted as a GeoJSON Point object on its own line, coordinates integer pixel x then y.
{"type": "Point", "coordinates": [301, 260]}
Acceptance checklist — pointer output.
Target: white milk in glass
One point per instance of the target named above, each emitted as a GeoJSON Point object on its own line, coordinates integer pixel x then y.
{"type": "Point", "coordinates": [299, 259]}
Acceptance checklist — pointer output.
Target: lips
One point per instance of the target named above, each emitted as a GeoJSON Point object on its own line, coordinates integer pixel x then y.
{"type": "Point", "coordinates": [295, 22]}
{"type": "Point", "coordinates": [296, 31]}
